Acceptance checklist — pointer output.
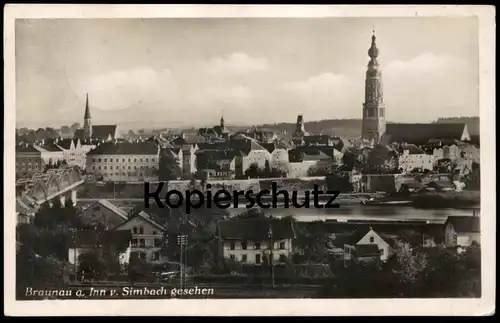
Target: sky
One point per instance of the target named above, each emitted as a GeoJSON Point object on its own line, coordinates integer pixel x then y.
{"type": "Point", "coordinates": [189, 72]}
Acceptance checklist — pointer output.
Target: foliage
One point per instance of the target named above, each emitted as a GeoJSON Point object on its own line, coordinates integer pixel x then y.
{"type": "Point", "coordinates": [92, 265]}
{"type": "Point", "coordinates": [381, 160]}
{"type": "Point", "coordinates": [138, 269]}
{"type": "Point", "coordinates": [411, 264]}
{"type": "Point", "coordinates": [169, 168]}
{"type": "Point", "coordinates": [254, 171]}
{"type": "Point", "coordinates": [34, 271]}
{"type": "Point", "coordinates": [339, 182]}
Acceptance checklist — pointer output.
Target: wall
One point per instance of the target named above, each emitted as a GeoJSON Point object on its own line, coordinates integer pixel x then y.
{"type": "Point", "coordinates": [122, 168]}
{"type": "Point", "coordinates": [144, 243]}
{"type": "Point", "coordinates": [383, 246]}
{"type": "Point", "coordinates": [301, 169]}
{"type": "Point", "coordinates": [251, 253]}
{"type": "Point", "coordinates": [256, 156]}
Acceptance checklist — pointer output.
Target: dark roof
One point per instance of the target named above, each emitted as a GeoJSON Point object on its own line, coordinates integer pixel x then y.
{"type": "Point", "coordinates": [98, 132]}
{"type": "Point", "coordinates": [366, 250]}
{"type": "Point", "coordinates": [412, 149]}
{"type": "Point", "coordinates": [420, 133]}
{"type": "Point", "coordinates": [125, 148]}
{"type": "Point", "coordinates": [270, 147]}
{"type": "Point", "coordinates": [463, 224]}
{"type": "Point", "coordinates": [179, 141]}
{"type": "Point", "coordinates": [304, 153]}
{"type": "Point", "coordinates": [66, 143]}
{"type": "Point", "coordinates": [211, 146]}
{"type": "Point", "coordinates": [51, 147]}
{"type": "Point", "coordinates": [255, 229]}
{"type": "Point", "coordinates": [245, 145]}
{"type": "Point", "coordinates": [26, 149]}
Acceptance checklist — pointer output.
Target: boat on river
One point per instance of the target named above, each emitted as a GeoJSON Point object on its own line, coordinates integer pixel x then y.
{"type": "Point", "coordinates": [386, 202]}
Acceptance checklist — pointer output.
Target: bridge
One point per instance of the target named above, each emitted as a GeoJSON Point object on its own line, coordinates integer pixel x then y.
{"type": "Point", "coordinates": [44, 187]}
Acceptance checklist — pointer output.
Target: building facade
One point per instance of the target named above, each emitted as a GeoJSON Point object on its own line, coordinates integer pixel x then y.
{"type": "Point", "coordinates": [147, 238]}
{"type": "Point", "coordinates": [124, 161]}
{"type": "Point", "coordinates": [373, 127]}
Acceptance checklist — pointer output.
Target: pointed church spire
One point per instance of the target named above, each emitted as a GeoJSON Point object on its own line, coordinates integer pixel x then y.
{"type": "Point", "coordinates": [373, 51]}
{"type": "Point", "coordinates": [87, 109]}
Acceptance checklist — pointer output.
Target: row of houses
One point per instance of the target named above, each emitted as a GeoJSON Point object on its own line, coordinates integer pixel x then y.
{"type": "Point", "coordinates": [252, 240]}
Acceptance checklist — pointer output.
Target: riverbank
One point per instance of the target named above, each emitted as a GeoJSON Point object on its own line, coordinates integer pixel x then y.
{"type": "Point", "coordinates": [433, 200]}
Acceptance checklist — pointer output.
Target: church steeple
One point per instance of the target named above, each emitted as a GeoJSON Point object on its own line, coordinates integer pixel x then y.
{"type": "Point", "coordinates": [373, 108]}
{"type": "Point", "coordinates": [87, 123]}
{"type": "Point", "coordinates": [87, 109]}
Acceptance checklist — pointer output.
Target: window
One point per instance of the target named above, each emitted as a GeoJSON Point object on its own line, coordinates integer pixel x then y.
{"type": "Point", "coordinates": [146, 160]}
{"type": "Point", "coordinates": [157, 243]}
{"type": "Point", "coordinates": [142, 255]}
{"type": "Point", "coordinates": [231, 246]}
{"type": "Point", "coordinates": [135, 160]}
{"type": "Point", "coordinates": [134, 242]}
{"type": "Point", "coordinates": [154, 232]}
{"type": "Point", "coordinates": [256, 246]}
{"type": "Point", "coordinates": [117, 160]}
{"type": "Point", "coordinates": [93, 167]}
{"type": "Point", "coordinates": [140, 160]}
{"type": "Point", "coordinates": [232, 257]}
{"type": "Point", "coordinates": [382, 112]}
{"type": "Point", "coordinates": [105, 160]}
{"type": "Point", "coordinates": [243, 258]}
{"type": "Point", "coordinates": [152, 160]}
{"type": "Point", "coordinates": [244, 245]}
{"type": "Point", "coordinates": [282, 245]}
{"type": "Point", "coordinates": [110, 167]}
{"type": "Point", "coordinates": [129, 167]}
{"type": "Point", "coordinates": [129, 159]}
{"type": "Point", "coordinates": [371, 239]}
{"type": "Point", "coordinates": [134, 230]}
{"type": "Point", "coordinates": [156, 256]}
{"type": "Point", "coordinates": [142, 242]}
{"type": "Point", "coordinates": [257, 258]}
{"type": "Point", "coordinates": [141, 230]}
{"type": "Point", "coordinates": [99, 159]}
{"type": "Point", "coordinates": [105, 167]}
{"type": "Point", "coordinates": [381, 252]}
{"type": "Point", "coordinates": [282, 258]}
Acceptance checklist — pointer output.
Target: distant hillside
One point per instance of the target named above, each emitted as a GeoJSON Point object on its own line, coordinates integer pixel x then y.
{"type": "Point", "coordinates": [472, 123]}
{"type": "Point", "coordinates": [349, 128]}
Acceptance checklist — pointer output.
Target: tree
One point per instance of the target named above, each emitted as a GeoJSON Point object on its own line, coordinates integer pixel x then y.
{"type": "Point", "coordinates": [169, 168]}
{"type": "Point", "coordinates": [410, 264]}
{"type": "Point", "coordinates": [252, 171]}
{"type": "Point", "coordinates": [92, 265]}
{"type": "Point", "coordinates": [75, 126]}
{"type": "Point", "coordinates": [138, 269]}
{"type": "Point", "coordinates": [267, 167]}
{"type": "Point", "coordinates": [381, 160]}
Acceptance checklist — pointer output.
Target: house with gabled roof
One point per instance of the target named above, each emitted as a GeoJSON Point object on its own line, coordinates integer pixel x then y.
{"type": "Point", "coordinates": [147, 238]}
{"type": "Point", "coordinates": [250, 240]}
{"type": "Point", "coordinates": [462, 231]}
{"type": "Point", "coordinates": [104, 213]}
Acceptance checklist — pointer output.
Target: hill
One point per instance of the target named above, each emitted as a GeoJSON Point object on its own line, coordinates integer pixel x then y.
{"type": "Point", "coordinates": [472, 123]}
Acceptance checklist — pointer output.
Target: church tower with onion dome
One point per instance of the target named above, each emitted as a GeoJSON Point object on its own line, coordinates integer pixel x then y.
{"type": "Point", "coordinates": [374, 108]}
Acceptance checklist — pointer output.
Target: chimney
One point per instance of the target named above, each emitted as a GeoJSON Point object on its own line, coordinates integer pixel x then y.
{"type": "Point", "coordinates": [42, 142]}
{"type": "Point", "coordinates": [183, 135]}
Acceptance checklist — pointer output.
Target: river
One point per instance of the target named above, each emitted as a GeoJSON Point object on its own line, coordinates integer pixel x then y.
{"type": "Point", "coordinates": [367, 213]}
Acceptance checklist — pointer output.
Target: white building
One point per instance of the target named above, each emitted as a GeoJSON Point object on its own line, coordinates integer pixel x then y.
{"type": "Point", "coordinates": [462, 231]}
{"type": "Point", "coordinates": [247, 240]}
{"type": "Point", "coordinates": [124, 161]}
{"type": "Point", "coordinates": [413, 157]}
{"type": "Point", "coordinates": [73, 152]}
{"type": "Point", "coordinates": [147, 238]}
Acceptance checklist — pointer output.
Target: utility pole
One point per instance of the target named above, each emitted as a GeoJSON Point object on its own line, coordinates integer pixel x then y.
{"type": "Point", "coordinates": [270, 247]}
{"type": "Point", "coordinates": [73, 236]}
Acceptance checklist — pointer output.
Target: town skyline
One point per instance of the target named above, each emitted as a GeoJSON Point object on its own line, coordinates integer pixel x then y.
{"type": "Point", "coordinates": [245, 78]}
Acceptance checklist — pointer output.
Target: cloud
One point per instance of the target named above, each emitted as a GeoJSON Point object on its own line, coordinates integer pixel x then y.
{"type": "Point", "coordinates": [236, 63]}
{"type": "Point", "coordinates": [120, 89]}
{"type": "Point", "coordinates": [428, 86]}
{"type": "Point", "coordinates": [427, 62]}
{"type": "Point", "coordinates": [325, 83]}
